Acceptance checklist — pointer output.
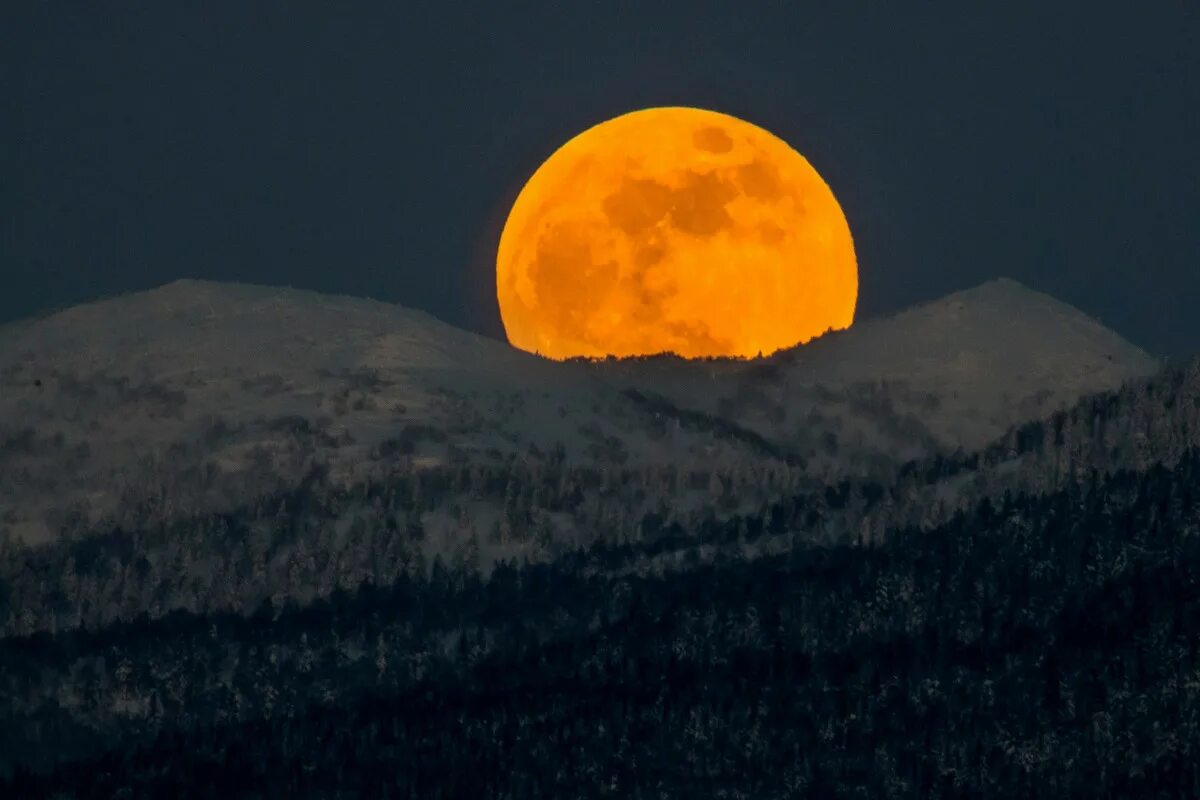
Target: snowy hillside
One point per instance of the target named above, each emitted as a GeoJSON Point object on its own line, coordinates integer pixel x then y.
{"type": "Point", "coordinates": [199, 397]}
{"type": "Point", "coordinates": [957, 372]}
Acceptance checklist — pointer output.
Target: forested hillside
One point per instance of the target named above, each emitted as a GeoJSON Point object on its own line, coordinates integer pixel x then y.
{"type": "Point", "coordinates": [1035, 647]}
{"type": "Point", "coordinates": [411, 563]}
{"type": "Point", "coordinates": [1142, 424]}
{"type": "Point", "coordinates": [302, 543]}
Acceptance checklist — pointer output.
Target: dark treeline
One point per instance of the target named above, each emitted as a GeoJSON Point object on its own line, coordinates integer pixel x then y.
{"type": "Point", "coordinates": [1034, 647]}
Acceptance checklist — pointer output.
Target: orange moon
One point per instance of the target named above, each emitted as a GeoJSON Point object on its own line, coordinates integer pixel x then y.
{"type": "Point", "coordinates": [674, 230]}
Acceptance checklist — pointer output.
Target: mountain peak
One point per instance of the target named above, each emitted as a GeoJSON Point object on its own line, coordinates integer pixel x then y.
{"type": "Point", "coordinates": [995, 353]}
{"type": "Point", "coordinates": [1002, 293]}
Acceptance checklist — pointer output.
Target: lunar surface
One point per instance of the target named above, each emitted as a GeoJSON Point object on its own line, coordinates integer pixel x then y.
{"type": "Point", "coordinates": [674, 230]}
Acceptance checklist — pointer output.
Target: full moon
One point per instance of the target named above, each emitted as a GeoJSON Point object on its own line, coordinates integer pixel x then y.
{"type": "Point", "coordinates": [674, 230]}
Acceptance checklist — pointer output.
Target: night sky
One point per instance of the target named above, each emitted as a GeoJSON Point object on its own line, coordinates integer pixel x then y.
{"type": "Point", "coordinates": [374, 150]}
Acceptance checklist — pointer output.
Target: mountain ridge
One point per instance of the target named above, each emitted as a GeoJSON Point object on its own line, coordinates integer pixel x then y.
{"type": "Point", "coordinates": [205, 394]}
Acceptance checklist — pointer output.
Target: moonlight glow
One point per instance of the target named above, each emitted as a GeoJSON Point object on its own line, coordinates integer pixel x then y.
{"type": "Point", "coordinates": [674, 229]}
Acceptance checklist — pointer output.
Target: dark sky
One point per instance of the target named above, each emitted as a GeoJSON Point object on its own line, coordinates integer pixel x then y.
{"type": "Point", "coordinates": [373, 149]}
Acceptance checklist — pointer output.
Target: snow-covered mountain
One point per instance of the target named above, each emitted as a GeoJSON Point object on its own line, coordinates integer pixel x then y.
{"type": "Point", "coordinates": [201, 396]}
{"type": "Point", "coordinates": [198, 396]}
{"type": "Point", "coordinates": [954, 373]}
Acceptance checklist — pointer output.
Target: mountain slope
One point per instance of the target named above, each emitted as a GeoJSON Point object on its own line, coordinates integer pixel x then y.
{"type": "Point", "coordinates": [1044, 643]}
{"type": "Point", "coordinates": [199, 397]}
{"type": "Point", "coordinates": [954, 373]}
